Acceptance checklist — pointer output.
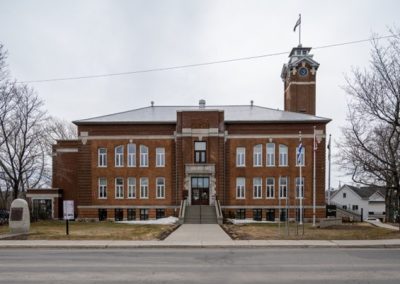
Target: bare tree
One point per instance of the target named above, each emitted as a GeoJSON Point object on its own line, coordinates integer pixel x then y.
{"type": "Point", "coordinates": [370, 150]}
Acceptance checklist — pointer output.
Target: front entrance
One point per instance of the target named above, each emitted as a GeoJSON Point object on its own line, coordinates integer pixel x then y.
{"type": "Point", "coordinates": [200, 187]}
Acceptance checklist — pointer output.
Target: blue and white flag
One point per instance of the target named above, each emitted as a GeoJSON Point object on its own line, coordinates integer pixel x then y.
{"type": "Point", "coordinates": [299, 154]}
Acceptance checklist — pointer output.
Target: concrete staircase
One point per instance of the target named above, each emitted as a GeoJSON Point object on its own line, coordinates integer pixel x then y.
{"type": "Point", "coordinates": [200, 214]}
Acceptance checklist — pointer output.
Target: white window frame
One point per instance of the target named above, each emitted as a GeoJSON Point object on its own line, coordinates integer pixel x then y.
{"type": "Point", "coordinates": [119, 157]}
{"type": "Point", "coordinates": [257, 188]}
{"type": "Point", "coordinates": [240, 188]}
{"type": "Point", "coordinates": [283, 155]}
{"type": "Point", "coordinates": [240, 157]}
{"type": "Point", "coordinates": [283, 187]}
{"type": "Point", "coordinates": [270, 188]}
{"type": "Point", "coordinates": [270, 155]}
{"type": "Point", "coordinates": [131, 181]}
{"type": "Point", "coordinates": [299, 186]}
{"type": "Point", "coordinates": [102, 158]}
{"type": "Point", "coordinates": [144, 156]}
{"type": "Point", "coordinates": [160, 188]}
{"type": "Point", "coordinates": [144, 188]}
{"type": "Point", "coordinates": [102, 188]}
{"type": "Point", "coordinates": [302, 157]}
{"type": "Point", "coordinates": [160, 157]}
{"type": "Point", "coordinates": [131, 149]}
{"type": "Point", "coordinates": [257, 155]}
{"type": "Point", "coordinates": [119, 189]}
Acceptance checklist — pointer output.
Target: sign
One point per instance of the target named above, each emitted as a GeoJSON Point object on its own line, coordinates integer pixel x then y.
{"type": "Point", "coordinates": [16, 214]}
{"type": "Point", "coordinates": [69, 210]}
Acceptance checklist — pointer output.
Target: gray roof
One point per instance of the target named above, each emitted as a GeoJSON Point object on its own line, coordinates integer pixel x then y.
{"type": "Point", "coordinates": [233, 113]}
{"type": "Point", "coordinates": [366, 192]}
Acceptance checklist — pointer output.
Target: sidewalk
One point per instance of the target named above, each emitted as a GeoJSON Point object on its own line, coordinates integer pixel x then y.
{"type": "Point", "coordinates": [382, 225]}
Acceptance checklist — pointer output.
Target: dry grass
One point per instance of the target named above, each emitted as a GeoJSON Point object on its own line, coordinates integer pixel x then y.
{"type": "Point", "coordinates": [357, 231]}
{"type": "Point", "coordinates": [55, 230]}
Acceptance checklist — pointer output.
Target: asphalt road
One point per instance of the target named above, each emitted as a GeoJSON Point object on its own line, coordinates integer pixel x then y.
{"type": "Point", "coordinates": [277, 265]}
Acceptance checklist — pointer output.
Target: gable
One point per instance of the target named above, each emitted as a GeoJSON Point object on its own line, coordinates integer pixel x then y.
{"type": "Point", "coordinates": [377, 197]}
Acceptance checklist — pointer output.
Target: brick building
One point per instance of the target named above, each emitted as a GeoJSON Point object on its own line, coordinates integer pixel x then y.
{"type": "Point", "coordinates": [144, 162]}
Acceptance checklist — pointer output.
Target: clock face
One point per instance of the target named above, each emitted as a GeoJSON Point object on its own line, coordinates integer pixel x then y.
{"type": "Point", "coordinates": [303, 71]}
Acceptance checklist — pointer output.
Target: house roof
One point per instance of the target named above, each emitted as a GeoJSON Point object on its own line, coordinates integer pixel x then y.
{"type": "Point", "coordinates": [233, 113]}
{"type": "Point", "coordinates": [365, 192]}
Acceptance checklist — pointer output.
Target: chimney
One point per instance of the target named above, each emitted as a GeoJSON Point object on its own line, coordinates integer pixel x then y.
{"type": "Point", "coordinates": [202, 104]}
{"type": "Point", "coordinates": [152, 103]}
{"type": "Point", "coordinates": [251, 103]}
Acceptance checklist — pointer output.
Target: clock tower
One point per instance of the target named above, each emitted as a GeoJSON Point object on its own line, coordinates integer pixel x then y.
{"type": "Point", "coordinates": [299, 77]}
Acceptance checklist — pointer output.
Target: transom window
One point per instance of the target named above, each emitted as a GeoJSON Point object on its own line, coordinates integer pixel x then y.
{"type": "Point", "coordinates": [131, 187]}
{"type": "Point", "coordinates": [200, 152]}
{"type": "Point", "coordinates": [270, 154]}
{"type": "Point", "coordinates": [257, 155]}
{"type": "Point", "coordinates": [119, 188]}
{"type": "Point", "coordinates": [144, 156]}
{"type": "Point", "coordinates": [300, 187]}
{"type": "Point", "coordinates": [283, 155]}
{"type": "Point", "coordinates": [160, 157]}
{"type": "Point", "coordinates": [160, 187]}
{"type": "Point", "coordinates": [257, 187]}
{"type": "Point", "coordinates": [283, 187]}
{"type": "Point", "coordinates": [240, 188]}
{"type": "Point", "coordinates": [119, 156]}
{"type": "Point", "coordinates": [144, 188]}
{"type": "Point", "coordinates": [102, 157]}
{"type": "Point", "coordinates": [102, 188]}
{"type": "Point", "coordinates": [240, 157]}
{"type": "Point", "coordinates": [131, 155]}
{"type": "Point", "coordinates": [270, 187]}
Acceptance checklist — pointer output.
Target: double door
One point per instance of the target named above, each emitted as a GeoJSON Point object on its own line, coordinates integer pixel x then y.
{"type": "Point", "coordinates": [200, 187]}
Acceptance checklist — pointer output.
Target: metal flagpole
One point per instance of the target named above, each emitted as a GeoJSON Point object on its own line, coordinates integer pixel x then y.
{"type": "Point", "coordinates": [300, 193]}
{"type": "Point", "coordinates": [329, 170]}
{"type": "Point", "coordinates": [314, 177]}
{"type": "Point", "coordinates": [280, 209]}
{"type": "Point", "coordinates": [300, 30]}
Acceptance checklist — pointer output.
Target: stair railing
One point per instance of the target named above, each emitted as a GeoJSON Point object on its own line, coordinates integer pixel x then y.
{"type": "Point", "coordinates": [218, 211]}
{"type": "Point", "coordinates": [182, 210]}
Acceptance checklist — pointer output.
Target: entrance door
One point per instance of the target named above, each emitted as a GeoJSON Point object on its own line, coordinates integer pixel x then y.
{"type": "Point", "coordinates": [200, 191]}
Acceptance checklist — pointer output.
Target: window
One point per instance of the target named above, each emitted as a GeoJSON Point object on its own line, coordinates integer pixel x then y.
{"type": "Point", "coordinates": [355, 207]}
{"type": "Point", "coordinates": [144, 156]}
{"type": "Point", "coordinates": [119, 156]}
{"type": "Point", "coordinates": [300, 157]}
{"type": "Point", "coordinates": [270, 154]}
{"type": "Point", "coordinates": [270, 215]}
{"type": "Point", "coordinates": [160, 187]}
{"type": "Point", "coordinates": [298, 214]}
{"type": "Point", "coordinates": [131, 214]}
{"type": "Point", "coordinates": [344, 194]}
{"type": "Point", "coordinates": [118, 214]}
{"type": "Point", "coordinates": [131, 155]}
{"type": "Point", "coordinates": [102, 157]}
{"type": "Point", "coordinates": [299, 187]}
{"type": "Point", "coordinates": [257, 155]}
{"type": "Point", "coordinates": [102, 214]}
{"type": "Point", "coordinates": [240, 157]}
{"type": "Point", "coordinates": [160, 157]}
{"type": "Point", "coordinates": [257, 187]}
{"type": "Point", "coordinates": [283, 155]}
{"type": "Point", "coordinates": [240, 188]}
{"type": "Point", "coordinates": [282, 187]}
{"type": "Point", "coordinates": [144, 214]}
{"type": "Point", "coordinates": [160, 213]}
{"type": "Point", "coordinates": [241, 214]}
{"type": "Point", "coordinates": [270, 193]}
{"type": "Point", "coordinates": [119, 188]}
{"type": "Point", "coordinates": [257, 214]}
{"type": "Point", "coordinates": [131, 187]}
{"type": "Point", "coordinates": [144, 188]}
{"type": "Point", "coordinates": [200, 150]}
{"type": "Point", "coordinates": [283, 214]}
{"type": "Point", "coordinates": [102, 188]}
{"type": "Point", "coordinates": [344, 207]}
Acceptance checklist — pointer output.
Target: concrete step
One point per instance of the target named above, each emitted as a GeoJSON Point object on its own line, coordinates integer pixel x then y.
{"type": "Point", "coordinates": [200, 214]}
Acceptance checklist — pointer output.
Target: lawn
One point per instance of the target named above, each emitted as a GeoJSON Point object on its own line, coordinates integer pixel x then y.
{"type": "Point", "coordinates": [55, 230]}
{"type": "Point", "coordinates": [356, 231]}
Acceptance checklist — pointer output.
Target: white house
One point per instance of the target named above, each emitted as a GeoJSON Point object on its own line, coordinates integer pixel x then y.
{"type": "Point", "coordinates": [370, 201]}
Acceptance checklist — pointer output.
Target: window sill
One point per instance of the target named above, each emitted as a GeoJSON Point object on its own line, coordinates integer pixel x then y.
{"type": "Point", "coordinates": [101, 166]}
{"type": "Point", "coordinates": [102, 198]}
{"type": "Point", "coordinates": [119, 198]}
{"type": "Point", "coordinates": [144, 197]}
{"type": "Point", "coordinates": [270, 198]}
{"type": "Point", "coordinates": [160, 197]}
{"type": "Point", "coordinates": [131, 198]}
{"type": "Point", "coordinates": [240, 198]}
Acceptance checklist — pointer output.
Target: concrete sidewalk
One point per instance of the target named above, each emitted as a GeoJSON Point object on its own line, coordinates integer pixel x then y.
{"type": "Point", "coordinates": [378, 223]}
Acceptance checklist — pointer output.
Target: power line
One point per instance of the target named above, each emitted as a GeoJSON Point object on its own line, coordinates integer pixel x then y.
{"type": "Point", "coordinates": [195, 64]}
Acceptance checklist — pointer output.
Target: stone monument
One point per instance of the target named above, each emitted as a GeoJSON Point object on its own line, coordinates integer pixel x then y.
{"type": "Point", "coordinates": [19, 221]}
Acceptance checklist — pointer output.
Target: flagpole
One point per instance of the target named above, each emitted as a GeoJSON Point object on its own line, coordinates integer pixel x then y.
{"type": "Point", "coordinates": [300, 193]}
{"type": "Point", "coordinates": [300, 30]}
{"type": "Point", "coordinates": [314, 178]}
{"type": "Point", "coordinates": [329, 170]}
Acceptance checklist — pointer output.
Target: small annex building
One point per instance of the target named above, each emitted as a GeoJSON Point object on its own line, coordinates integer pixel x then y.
{"type": "Point", "coordinates": [143, 163]}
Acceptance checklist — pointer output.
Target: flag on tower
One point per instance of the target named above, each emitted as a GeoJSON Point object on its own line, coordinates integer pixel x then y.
{"type": "Point", "coordinates": [297, 23]}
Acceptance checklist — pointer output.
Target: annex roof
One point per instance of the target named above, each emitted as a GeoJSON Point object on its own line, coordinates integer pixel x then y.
{"type": "Point", "coordinates": [365, 192]}
{"type": "Point", "coordinates": [232, 113]}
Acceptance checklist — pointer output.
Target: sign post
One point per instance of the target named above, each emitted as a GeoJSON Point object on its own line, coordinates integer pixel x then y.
{"type": "Point", "coordinates": [68, 213]}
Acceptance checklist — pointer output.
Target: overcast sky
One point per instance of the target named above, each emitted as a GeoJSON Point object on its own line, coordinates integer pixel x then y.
{"type": "Point", "coordinates": [58, 39]}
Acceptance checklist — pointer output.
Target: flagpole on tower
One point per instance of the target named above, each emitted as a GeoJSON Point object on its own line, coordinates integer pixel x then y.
{"type": "Point", "coordinates": [298, 24]}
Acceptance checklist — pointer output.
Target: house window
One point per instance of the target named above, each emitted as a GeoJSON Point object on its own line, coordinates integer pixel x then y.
{"type": "Point", "coordinates": [282, 187]}
{"type": "Point", "coordinates": [240, 188]}
{"type": "Point", "coordinates": [270, 187]}
{"type": "Point", "coordinates": [257, 214]}
{"type": "Point", "coordinates": [355, 207]}
{"type": "Point", "coordinates": [102, 157]}
{"type": "Point", "coordinates": [144, 214]}
{"type": "Point", "coordinates": [257, 155]}
{"type": "Point", "coordinates": [160, 213]}
{"type": "Point", "coordinates": [119, 156]}
{"type": "Point", "coordinates": [119, 188]}
{"type": "Point", "coordinates": [131, 187]}
{"type": "Point", "coordinates": [131, 214]}
{"type": "Point", "coordinates": [160, 157]}
{"type": "Point", "coordinates": [344, 194]}
{"type": "Point", "coordinates": [144, 156]}
{"type": "Point", "coordinates": [283, 155]}
{"type": "Point", "coordinates": [160, 187]}
{"type": "Point", "coordinates": [257, 187]}
{"type": "Point", "coordinates": [270, 154]}
{"type": "Point", "coordinates": [118, 214]}
{"type": "Point", "coordinates": [200, 150]}
{"type": "Point", "coordinates": [241, 214]}
{"type": "Point", "coordinates": [102, 214]}
{"type": "Point", "coordinates": [300, 156]}
{"type": "Point", "coordinates": [344, 207]}
{"type": "Point", "coordinates": [131, 155]}
{"type": "Point", "coordinates": [144, 188]}
{"type": "Point", "coordinates": [102, 188]}
{"type": "Point", "coordinates": [299, 187]}
{"type": "Point", "coordinates": [240, 157]}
